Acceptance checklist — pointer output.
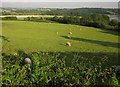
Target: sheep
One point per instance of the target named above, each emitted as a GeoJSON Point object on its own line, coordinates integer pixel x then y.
{"type": "Point", "coordinates": [57, 33]}
{"type": "Point", "coordinates": [27, 61]}
{"type": "Point", "coordinates": [69, 36]}
{"type": "Point", "coordinates": [70, 33]}
{"type": "Point", "coordinates": [68, 43]}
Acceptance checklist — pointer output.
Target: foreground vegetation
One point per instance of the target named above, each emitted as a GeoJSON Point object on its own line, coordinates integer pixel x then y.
{"type": "Point", "coordinates": [58, 69]}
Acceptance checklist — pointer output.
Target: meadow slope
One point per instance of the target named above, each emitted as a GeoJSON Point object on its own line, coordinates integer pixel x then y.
{"type": "Point", "coordinates": [34, 36]}
{"type": "Point", "coordinates": [90, 61]}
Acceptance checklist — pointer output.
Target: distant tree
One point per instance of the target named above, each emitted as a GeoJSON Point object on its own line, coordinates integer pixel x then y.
{"type": "Point", "coordinates": [29, 18]}
{"type": "Point", "coordinates": [113, 23]}
{"type": "Point", "coordinates": [95, 20]}
{"type": "Point", "coordinates": [9, 18]}
{"type": "Point", "coordinates": [55, 18]}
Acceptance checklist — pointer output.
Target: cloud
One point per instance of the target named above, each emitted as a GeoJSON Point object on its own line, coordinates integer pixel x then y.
{"type": "Point", "coordinates": [60, 4]}
{"type": "Point", "coordinates": [59, 0]}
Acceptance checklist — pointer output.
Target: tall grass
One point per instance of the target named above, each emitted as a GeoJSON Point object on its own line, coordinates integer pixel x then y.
{"type": "Point", "coordinates": [54, 69]}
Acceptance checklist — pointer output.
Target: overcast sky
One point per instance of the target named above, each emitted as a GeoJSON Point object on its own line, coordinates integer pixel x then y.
{"type": "Point", "coordinates": [60, 3]}
{"type": "Point", "coordinates": [59, 0]}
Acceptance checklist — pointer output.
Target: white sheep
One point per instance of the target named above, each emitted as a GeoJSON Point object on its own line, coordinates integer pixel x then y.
{"type": "Point", "coordinates": [69, 36]}
{"type": "Point", "coordinates": [68, 43]}
{"type": "Point", "coordinates": [70, 33]}
{"type": "Point", "coordinates": [27, 61]}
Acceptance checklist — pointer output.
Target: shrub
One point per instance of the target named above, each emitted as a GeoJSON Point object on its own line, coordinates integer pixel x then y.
{"type": "Point", "coordinates": [55, 70]}
{"type": "Point", "coordinates": [9, 18]}
{"type": "Point", "coordinates": [113, 23]}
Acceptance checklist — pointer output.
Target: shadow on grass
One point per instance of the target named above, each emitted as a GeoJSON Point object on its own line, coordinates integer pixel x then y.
{"type": "Point", "coordinates": [4, 38]}
{"type": "Point", "coordinates": [103, 43]}
{"type": "Point", "coordinates": [109, 59]}
{"type": "Point", "coordinates": [111, 32]}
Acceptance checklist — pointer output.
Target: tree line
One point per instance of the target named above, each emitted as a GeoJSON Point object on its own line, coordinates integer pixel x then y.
{"type": "Point", "coordinates": [92, 20]}
{"type": "Point", "coordinates": [64, 12]}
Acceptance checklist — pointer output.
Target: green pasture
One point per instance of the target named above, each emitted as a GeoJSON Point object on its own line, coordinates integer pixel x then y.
{"type": "Point", "coordinates": [38, 36]}
{"type": "Point", "coordinates": [90, 60]}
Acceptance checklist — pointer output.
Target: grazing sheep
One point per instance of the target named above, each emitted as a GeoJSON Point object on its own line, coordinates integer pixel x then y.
{"type": "Point", "coordinates": [68, 43]}
{"type": "Point", "coordinates": [70, 33]}
{"type": "Point", "coordinates": [27, 61]}
{"type": "Point", "coordinates": [69, 36]}
{"type": "Point", "coordinates": [117, 71]}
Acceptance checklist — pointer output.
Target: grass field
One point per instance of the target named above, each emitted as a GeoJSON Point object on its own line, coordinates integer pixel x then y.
{"type": "Point", "coordinates": [90, 60]}
{"type": "Point", "coordinates": [33, 36]}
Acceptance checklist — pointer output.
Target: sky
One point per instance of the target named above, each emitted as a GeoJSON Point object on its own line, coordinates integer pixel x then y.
{"type": "Point", "coordinates": [60, 3]}
{"type": "Point", "coordinates": [59, 0]}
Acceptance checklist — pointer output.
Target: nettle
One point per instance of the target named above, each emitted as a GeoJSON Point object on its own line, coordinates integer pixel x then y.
{"type": "Point", "coordinates": [54, 69]}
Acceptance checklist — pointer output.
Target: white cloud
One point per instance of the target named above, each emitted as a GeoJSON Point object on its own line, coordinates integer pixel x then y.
{"type": "Point", "coordinates": [59, 0]}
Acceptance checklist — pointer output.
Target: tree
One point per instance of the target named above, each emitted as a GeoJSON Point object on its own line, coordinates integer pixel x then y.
{"type": "Point", "coordinates": [113, 23]}
{"type": "Point", "coordinates": [95, 20]}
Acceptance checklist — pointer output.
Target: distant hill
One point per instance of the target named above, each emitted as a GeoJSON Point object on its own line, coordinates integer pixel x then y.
{"type": "Point", "coordinates": [58, 11]}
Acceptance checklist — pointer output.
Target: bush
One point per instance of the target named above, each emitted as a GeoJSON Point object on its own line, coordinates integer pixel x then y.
{"type": "Point", "coordinates": [9, 18]}
{"type": "Point", "coordinates": [54, 70]}
{"type": "Point", "coordinates": [37, 19]}
{"type": "Point", "coordinates": [95, 20]}
{"type": "Point", "coordinates": [113, 23]}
